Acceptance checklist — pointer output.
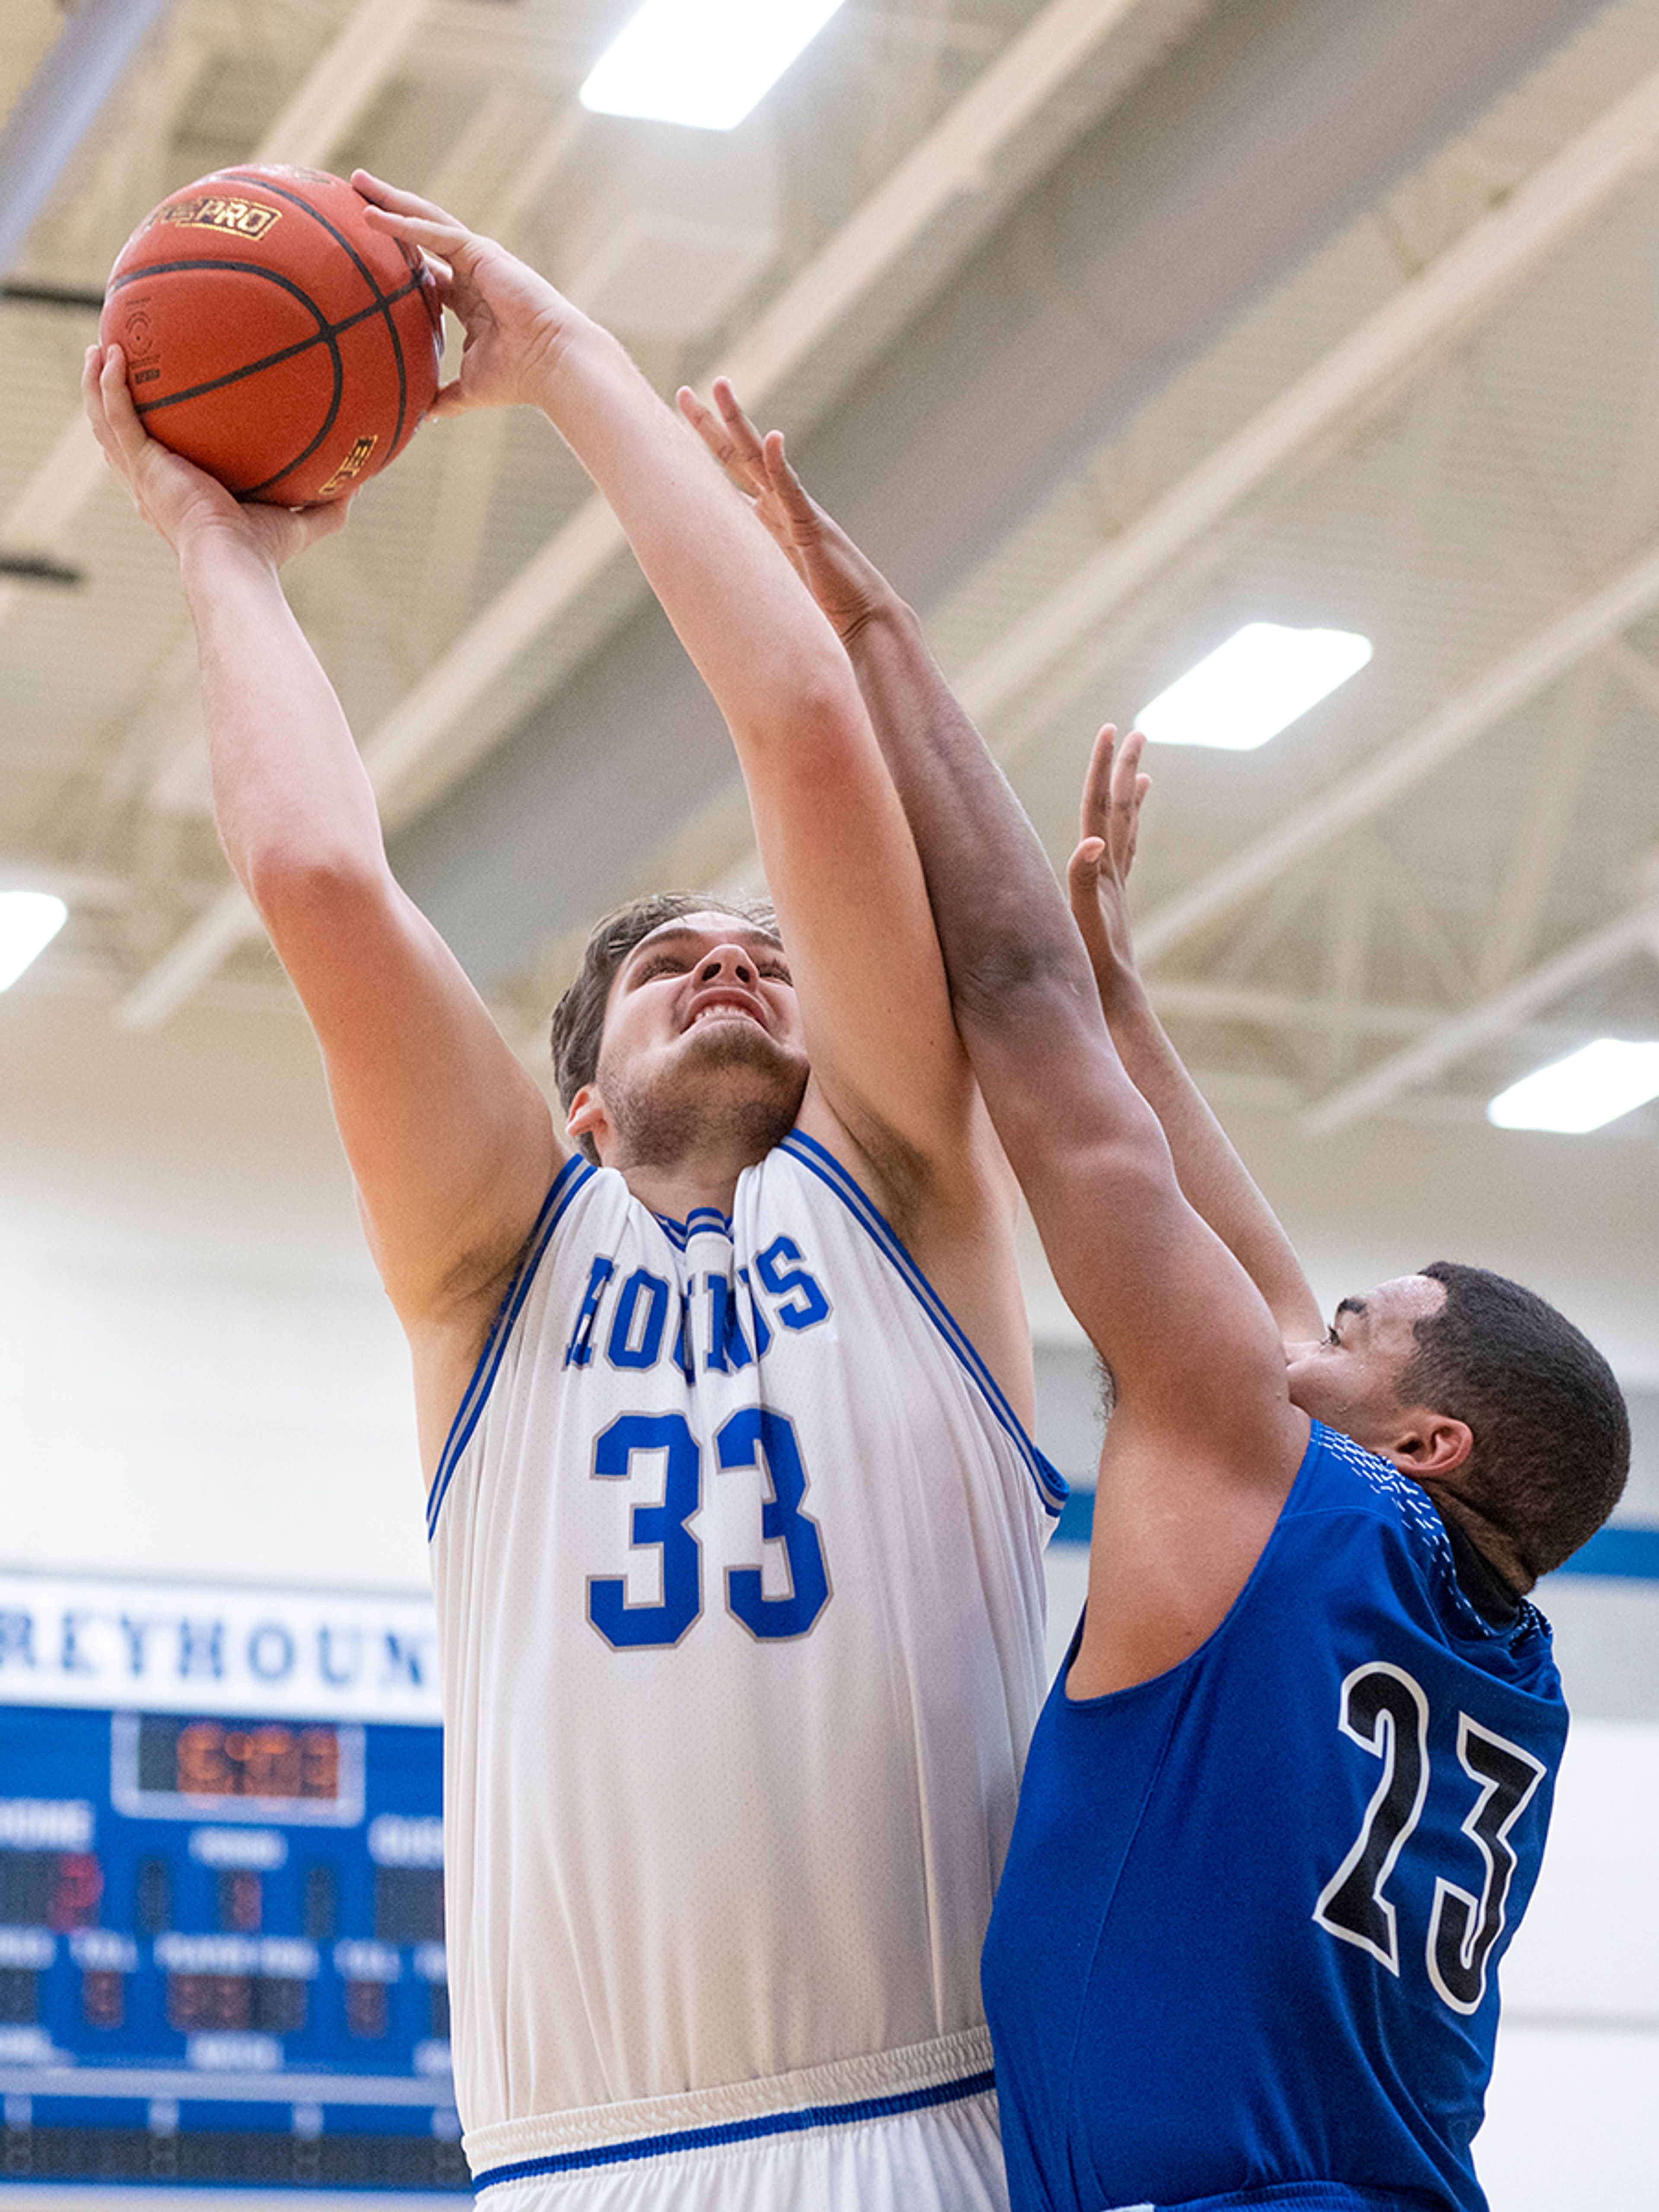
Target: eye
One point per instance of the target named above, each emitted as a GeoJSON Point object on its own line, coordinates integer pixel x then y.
{"type": "Point", "coordinates": [665, 963]}
{"type": "Point", "coordinates": [775, 971]}
{"type": "Point", "coordinates": [1331, 1336]}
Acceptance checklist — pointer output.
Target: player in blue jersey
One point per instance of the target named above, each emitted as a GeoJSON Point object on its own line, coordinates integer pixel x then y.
{"type": "Point", "coordinates": [1287, 1801]}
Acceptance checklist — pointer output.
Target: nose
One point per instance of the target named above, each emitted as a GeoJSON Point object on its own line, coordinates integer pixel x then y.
{"type": "Point", "coordinates": [730, 960]}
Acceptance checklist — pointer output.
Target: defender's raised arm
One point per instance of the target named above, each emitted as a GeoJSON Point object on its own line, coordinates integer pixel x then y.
{"type": "Point", "coordinates": [1204, 1443]}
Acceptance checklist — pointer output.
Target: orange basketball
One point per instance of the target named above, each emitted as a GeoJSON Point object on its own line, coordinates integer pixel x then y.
{"type": "Point", "coordinates": [270, 336]}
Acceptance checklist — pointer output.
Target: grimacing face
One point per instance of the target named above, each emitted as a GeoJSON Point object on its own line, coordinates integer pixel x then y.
{"type": "Point", "coordinates": [1349, 1378]}
{"type": "Point", "coordinates": [702, 1022]}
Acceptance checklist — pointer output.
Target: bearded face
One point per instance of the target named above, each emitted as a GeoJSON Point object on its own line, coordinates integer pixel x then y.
{"type": "Point", "coordinates": [702, 1045]}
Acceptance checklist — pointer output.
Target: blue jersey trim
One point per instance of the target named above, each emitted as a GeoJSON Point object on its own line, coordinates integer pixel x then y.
{"type": "Point", "coordinates": [698, 1222]}
{"type": "Point", "coordinates": [735, 2131]}
{"type": "Point", "coordinates": [1052, 1486]}
{"type": "Point", "coordinates": [569, 1180]}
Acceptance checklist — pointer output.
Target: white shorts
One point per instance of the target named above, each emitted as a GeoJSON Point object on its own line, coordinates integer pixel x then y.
{"type": "Point", "coordinates": [910, 2129]}
{"type": "Point", "coordinates": [944, 2158]}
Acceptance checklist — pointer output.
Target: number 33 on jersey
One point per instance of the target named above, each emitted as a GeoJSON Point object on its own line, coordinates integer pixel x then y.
{"type": "Point", "coordinates": [737, 1559]}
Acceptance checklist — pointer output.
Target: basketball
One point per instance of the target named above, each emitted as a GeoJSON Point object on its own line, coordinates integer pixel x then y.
{"type": "Point", "coordinates": [271, 336]}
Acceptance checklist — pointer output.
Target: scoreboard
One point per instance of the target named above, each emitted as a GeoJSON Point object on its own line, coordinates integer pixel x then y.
{"type": "Point", "coordinates": [221, 1955]}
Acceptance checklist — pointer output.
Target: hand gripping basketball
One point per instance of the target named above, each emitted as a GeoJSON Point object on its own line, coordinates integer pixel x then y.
{"type": "Point", "coordinates": [515, 323]}
{"type": "Point", "coordinates": [172, 494]}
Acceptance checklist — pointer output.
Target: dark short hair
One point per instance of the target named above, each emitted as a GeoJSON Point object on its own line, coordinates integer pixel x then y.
{"type": "Point", "coordinates": [1552, 1435]}
{"type": "Point", "coordinates": [578, 1017]}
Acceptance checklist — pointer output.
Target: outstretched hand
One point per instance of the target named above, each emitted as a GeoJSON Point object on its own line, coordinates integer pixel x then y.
{"type": "Point", "coordinates": [846, 586]}
{"type": "Point", "coordinates": [172, 494]}
{"type": "Point", "coordinates": [515, 322]}
{"type": "Point", "coordinates": [1097, 876]}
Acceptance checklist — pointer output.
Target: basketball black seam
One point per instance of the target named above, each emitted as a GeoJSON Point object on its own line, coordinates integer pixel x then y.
{"type": "Point", "coordinates": [325, 334]}
{"type": "Point", "coordinates": [297, 199]}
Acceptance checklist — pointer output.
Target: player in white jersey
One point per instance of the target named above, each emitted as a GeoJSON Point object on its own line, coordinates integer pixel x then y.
{"type": "Point", "coordinates": [737, 1525]}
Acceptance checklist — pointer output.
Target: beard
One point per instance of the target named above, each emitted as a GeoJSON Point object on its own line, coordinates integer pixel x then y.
{"type": "Point", "coordinates": [729, 1088]}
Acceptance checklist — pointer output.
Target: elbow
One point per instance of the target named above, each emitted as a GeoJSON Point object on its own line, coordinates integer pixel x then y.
{"type": "Point", "coordinates": [1020, 978]}
{"type": "Point", "coordinates": [297, 891]}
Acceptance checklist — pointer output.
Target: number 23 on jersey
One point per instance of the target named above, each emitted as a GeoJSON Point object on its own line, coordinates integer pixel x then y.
{"type": "Point", "coordinates": [1386, 1712]}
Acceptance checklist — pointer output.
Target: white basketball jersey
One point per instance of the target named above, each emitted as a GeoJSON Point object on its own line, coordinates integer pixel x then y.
{"type": "Point", "coordinates": [737, 1556]}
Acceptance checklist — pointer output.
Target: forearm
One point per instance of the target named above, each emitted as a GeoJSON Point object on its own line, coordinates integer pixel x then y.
{"type": "Point", "coordinates": [1213, 1179]}
{"type": "Point", "coordinates": [750, 626]}
{"type": "Point", "coordinates": [995, 903]}
{"type": "Point", "coordinates": [291, 797]}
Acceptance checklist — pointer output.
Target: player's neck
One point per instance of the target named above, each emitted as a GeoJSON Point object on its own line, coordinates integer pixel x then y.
{"type": "Point", "coordinates": [676, 1188]}
{"type": "Point", "coordinates": [688, 1149]}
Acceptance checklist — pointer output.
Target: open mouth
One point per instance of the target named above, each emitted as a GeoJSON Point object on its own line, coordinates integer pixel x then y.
{"type": "Point", "coordinates": [712, 1008]}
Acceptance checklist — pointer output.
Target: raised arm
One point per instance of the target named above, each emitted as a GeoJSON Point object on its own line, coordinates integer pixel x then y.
{"type": "Point", "coordinates": [1204, 1443]}
{"type": "Point", "coordinates": [450, 1141]}
{"type": "Point", "coordinates": [890, 1075]}
{"type": "Point", "coordinates": [1214, 1178]}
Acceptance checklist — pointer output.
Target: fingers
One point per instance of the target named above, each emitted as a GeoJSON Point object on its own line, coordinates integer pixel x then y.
{"type": "Point", "coordinates": [1094, 809]}
{"type": "Point", "coordinates": [1129, 787]}
{"type": "Point", "coordinates": [792, 494]}
{"type": "Point", "coordinates": [406, 215]}
{"type": "Point", "coordinates": [739, 428]}
{"type": "Point", "coordinates": [1083, 867]}
{"type": "Point", "coordinates": [1083, 891]}
{"type": "Point", "coordinates": [718, 440]}
{"type": "Point", "coordinates": [392, 200]}
{"type": "Point", "coordinates": [1125, 772]}
{"type": "Point", "coordinates": [109, 407]}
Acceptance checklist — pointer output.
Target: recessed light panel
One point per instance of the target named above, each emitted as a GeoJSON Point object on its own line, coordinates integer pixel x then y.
{"type": "Point", "coordinates": [1595, 1084]}
{"type": "Point", "coordinates": [1253, 687]}
{"type": "Point", "coordinates": [701, 62]}
{"type": "Point", "coordinates": [28, 922]}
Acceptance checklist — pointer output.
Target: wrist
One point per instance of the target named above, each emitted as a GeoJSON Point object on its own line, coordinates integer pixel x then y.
{"type": "Point", "coordinates": [578, 353]}
{"type": "Point", "coordinates": [215, 549]}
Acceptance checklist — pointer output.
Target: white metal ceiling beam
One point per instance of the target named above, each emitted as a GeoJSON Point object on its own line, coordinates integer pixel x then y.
{"type": "Point", "coordinates": [953, 158]}
{"type": "Point", "coordinates": [1372, 366]}
{"type": "Point", "coordinates": [1358, 376]}
{"type": "Point", "coordinates": [340, 85]}
{"type": "Point", "coordinates": [1590, 956]}
{"type": "Point", "coordinates": [1520, 676]}
{"type": "Point", "coordinates": [1557, 777]}
{"type": "Point", "coordinates": [1244, 1006]}
{"type": "Point", "coordinates": [59, 105]}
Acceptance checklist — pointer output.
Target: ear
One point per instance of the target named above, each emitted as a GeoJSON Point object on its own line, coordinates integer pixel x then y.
{"type": "Point", "coordinates": [587, 1118]}
{"type": "Point", "coordinates": [1428, 1444]}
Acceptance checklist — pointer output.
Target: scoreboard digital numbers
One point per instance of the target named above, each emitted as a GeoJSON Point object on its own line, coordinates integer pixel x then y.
{"type": "Point", "coordinates": [222, 1929]}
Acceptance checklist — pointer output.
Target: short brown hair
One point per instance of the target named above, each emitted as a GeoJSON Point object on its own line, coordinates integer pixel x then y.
{"type": "Point", "coordinates": [578, 1017]}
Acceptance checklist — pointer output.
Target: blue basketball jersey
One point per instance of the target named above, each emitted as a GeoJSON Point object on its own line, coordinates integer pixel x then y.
{"type": "Point", "coordinates": [1248, 1936]}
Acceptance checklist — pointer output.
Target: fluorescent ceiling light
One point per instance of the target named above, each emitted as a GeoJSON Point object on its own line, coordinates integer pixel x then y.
{"type": "Point", "coordinates": [701, 62]}
{"type": "Point", "coordinates": [1253, 687]}
{"type": "Point", "coordinates": [28, 922]}
{"type": "Point", "coordinates": [1597, 1084]}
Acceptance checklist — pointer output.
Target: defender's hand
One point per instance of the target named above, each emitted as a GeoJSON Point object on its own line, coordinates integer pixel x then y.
{"type": "Point", "coordinates": [516, 324]}
{"type": "Point", "coordinates": [1097, 877]}
{"type": "Point", "coordinates": [848, 587]}
{"type": "Point", "coordinates": [172, 494]}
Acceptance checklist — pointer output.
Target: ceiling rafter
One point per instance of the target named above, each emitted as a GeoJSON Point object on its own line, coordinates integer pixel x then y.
{"type": "Point", "coordinates": [1330, 401]}
{"type": "Point", "coordinates": [340, 87]}
{"type": "Point", "coordinates": [1358, 376]}
{"type": "Point", "coordinates": [1581, 962]}
{"type": "Point", "coordinates": [1520, 676]}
